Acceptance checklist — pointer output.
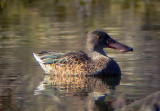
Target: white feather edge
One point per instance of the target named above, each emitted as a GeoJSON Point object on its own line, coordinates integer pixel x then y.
{"type": "Point", "coordinates": [37, 57]}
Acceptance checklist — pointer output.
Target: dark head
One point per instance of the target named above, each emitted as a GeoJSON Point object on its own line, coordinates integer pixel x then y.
{"type": "Point", "coordinates": [97, 40]}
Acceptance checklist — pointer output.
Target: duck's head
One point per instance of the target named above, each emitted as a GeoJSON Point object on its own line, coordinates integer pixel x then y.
{"type": "Point", "coordinates": [97, 40]}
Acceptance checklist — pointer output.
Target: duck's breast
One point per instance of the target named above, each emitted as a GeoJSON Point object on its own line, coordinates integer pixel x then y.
{"type": "Point", "coordinates": [106, 66]}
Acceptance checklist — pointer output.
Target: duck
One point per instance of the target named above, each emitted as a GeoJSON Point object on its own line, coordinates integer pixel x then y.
{"type": "Point", "coordinates": [92, 61]}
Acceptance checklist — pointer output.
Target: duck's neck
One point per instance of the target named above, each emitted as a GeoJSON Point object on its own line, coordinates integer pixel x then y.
{"type": "Point", "coordinates": [95, 53]}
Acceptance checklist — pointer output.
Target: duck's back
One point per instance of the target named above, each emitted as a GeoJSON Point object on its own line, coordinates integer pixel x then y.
{"type": "Point", "coordinates": [71, 63]}
{"type": "Point", "coordinates": [75, 63]}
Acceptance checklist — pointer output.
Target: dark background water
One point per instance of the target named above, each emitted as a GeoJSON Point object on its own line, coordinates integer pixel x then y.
{"type": "Point", "coordinates": [28, 26]}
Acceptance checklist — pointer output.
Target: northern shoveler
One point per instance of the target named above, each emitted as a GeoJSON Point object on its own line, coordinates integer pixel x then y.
{"type": "Point", "coordinates": [92, 61]}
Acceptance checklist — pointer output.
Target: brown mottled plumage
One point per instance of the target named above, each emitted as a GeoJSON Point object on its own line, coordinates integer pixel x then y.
{"type": "Point", "coordinates": [92, 61]}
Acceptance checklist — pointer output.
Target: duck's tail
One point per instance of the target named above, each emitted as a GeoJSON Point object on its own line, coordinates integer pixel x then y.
{"type": "Point", "coordinates": [46, 59]}
{"type": "Point", "coordinates": [38, 58]}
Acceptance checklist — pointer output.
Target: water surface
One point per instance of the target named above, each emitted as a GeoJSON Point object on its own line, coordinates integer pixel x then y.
{"type": "Point", "coordinates": [31, 26]}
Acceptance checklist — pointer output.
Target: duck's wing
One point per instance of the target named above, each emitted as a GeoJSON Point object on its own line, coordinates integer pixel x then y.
{"type": "Point", "coordinates": [70, 63]}
{"type": "Point", "coordinates": [61, 58]}
{"type": "Point", "coordinates": [47, 57]}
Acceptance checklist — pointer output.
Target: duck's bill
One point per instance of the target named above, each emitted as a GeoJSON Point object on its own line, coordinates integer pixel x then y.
{"type": "Point", "coordinates": [118, 46]}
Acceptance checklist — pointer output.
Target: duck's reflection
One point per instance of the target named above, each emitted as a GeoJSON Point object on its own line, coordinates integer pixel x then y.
{"type": "Point", "coordinates": [78, 84]}
{"type": "Point", "coordinates": [97, 90]}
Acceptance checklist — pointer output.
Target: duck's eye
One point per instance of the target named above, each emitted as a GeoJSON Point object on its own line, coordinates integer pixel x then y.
{"type": "Point", "coordinates": [98, 37]}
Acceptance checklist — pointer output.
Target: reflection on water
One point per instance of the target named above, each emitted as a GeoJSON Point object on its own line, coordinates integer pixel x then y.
{"type": "Point", "coordinates": [79, 84]}
{"type": "Point", "coordinates": [97, 90]}
{"type": "Point", "coordinates": [30, 26]}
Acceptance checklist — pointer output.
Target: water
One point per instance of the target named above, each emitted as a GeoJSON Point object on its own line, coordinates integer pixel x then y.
{"type": "Point", "coordinates": [31, 26]}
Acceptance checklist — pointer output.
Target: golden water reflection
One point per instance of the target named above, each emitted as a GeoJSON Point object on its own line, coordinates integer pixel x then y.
{"type": "Point", "coordinates": [98, 90]}
{"type": "Point", "coordinates": [79, 84]}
